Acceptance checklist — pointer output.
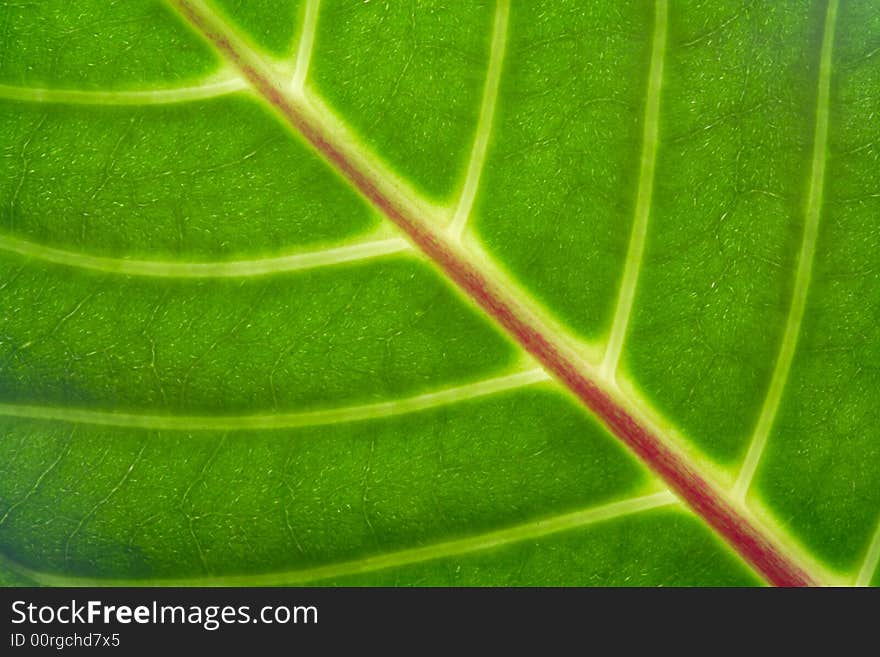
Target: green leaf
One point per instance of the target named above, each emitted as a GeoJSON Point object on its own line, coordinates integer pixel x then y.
{"type": "Point", "coordinates": [533, 293]}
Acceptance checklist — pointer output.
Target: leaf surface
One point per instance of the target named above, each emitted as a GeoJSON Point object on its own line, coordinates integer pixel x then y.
{"type": "Point", "coordinates": [220, 362]}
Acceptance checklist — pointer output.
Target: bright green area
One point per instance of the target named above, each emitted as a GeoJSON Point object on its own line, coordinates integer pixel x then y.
{"type": "Point", "coordinates": [728, 211]}
{"type": "Point", "coordinates": [202, 180]}
{"type": "Point", "coordinates": [95, 44]}
{"type": "Point", "coordinates": [822, 470]}
{"type": "Point", "coordinates": [325, 337]}
{"type": "Point", "coordinates": [271, 24]}
{"type": "Point", "coordinates": [224, 179]}
{"type": "Point", "coordinates": [560, 181]}
{"type": "Point", "coordinates": [424, 65]}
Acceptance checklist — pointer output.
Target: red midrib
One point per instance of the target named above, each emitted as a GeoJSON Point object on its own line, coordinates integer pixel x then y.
{"type": "Point", "coordinates": [753, 543]}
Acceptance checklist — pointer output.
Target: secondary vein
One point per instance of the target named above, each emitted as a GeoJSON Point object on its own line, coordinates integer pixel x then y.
{"type": "Point", "coordinates": [478, 543]}
{"type": "Point", "coordinates": [485, 122]}
{"type": "Point", "coordinates": [872, 560]}
{"type": "Point", "coordinates": [804, 271]}
{"type": "Point", "coordinates": [166, 96]}
{"type": "Point", "coordinates": [306, 44]}
{"type": "Point", "coordinates": [636, 251]}
{"type": "Point", "coordinates": [484, 388]}
{"type": "Point", "coordinates": [361, 250]}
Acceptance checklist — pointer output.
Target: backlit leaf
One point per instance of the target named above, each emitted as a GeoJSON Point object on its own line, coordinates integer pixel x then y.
{"type": "Point", "coordinates": [222, 361]}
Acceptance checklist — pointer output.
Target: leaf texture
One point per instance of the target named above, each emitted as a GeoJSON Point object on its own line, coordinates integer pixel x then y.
{"type": "Point", "coordinates": [221, 363]}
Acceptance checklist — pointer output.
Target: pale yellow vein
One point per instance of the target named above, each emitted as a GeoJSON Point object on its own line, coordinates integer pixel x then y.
{"type": "Point", "coordinates": [165, 96]}
{"type": "Point", "coordinates": [483, 388]}
{"type": "Point", "coordinates": [485, 122]}
{"type": "Point", "coordinates": [803, 274]}
{"type": "Point", "coordinates": [464, 546]}
{"type": "Point", "coordinates": [635, 253]}
{"type": "Point", "coordinates": [361, 250]}
{"type": "Point", "coordinates": [872, 560]}
{"type": "Point", "coordinates": [306, 44]}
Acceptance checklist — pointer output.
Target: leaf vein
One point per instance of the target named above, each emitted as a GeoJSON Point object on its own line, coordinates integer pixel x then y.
{"type": "Point", "coordinates": [353, 252]}
{"type": "Point", "coordinates": [306, 45]}
{"type": "Point", "coordinates": [872, 560]}
{"type": "Point", "coordinates": [171, 95]}
{"type": "Point", "coordinates": [485, 122]}
{"type": "Point", "coordinates": [796, 310]}
{"type": "Point", "coordinates": [484, 388]}
{"type": "Point", "coordinates": [431, 552]}
{"type": "Point", "coordinates": [636, 250]}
